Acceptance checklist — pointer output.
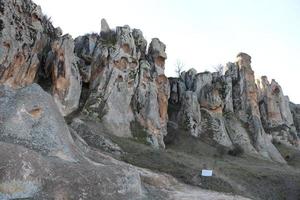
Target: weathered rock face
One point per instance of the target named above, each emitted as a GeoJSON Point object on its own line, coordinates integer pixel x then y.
{"type": "Point", "coordinates": [184, 108]}
{"type": "Point", "coordinates": [93, 139]}
{"type": "Point", "coordinates": [29, 117]}
{"type": "Point", "coordinates": [61, 65]}
{"type": "Point", "coordinates": [128, 89]}
{"type": "Point", "coordinates": [232, 107]}
{"type": "Point", "coordinates": [84, 48]}
{"type": "Point", "coordinates": [24, 36]}
{"type": "Point", "coordinates": [295, 110]}
{"type": "Point", "coordinates": [113, 82]}
{"type": "Point", "coordinates": [37, 154]}
{"type": "Point", "coordinates": [245, 104]}
{"type": "Point", "coordinates": [30, 175]}
{"type": "Point", "coordinates": [275, 112]}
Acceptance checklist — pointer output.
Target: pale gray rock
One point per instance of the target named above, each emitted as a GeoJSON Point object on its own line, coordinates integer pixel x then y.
{"type": "Point", "coordinates": [157, 56]}
{"type": "Point", "coordinates": [36, 177]}
{"type": "Point", "coordinates": [213, 128]}
{"type": "Point", "coordinates": [201, 79]}
{"type": "Point", "coordinates": [210, 98]}
{"type": "Point", "coordinates": [126, 94]}
{"type": "Point", "coordinates": [104, 26]}
{"type": "Point", "coordinates": [245, 103]}
{"type": "Point", "coordinates": [190, 114]}
{"type": "Point", "coordinates": [94, 139]}
{"type": "Point", "coordinates": [275, 112]}
{"type": "Point", "coordinates": [146, 107]}
{"type": "Point", "coordinates": [295, 110]}
{"type": "Point", "coordinates": [140, 43]}
{"type": "Point", "coordinates": [29, 117]}
{"type": "Point", "coordinates": [61, 65]}
{"type": "Point", "coordinates": [238, 133]}
{"type": "Point", "coordinates": [84, 49]}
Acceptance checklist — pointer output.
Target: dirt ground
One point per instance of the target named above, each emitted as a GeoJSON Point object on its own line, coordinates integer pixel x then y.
{"type": "Point", "coordinates": [244, 175]}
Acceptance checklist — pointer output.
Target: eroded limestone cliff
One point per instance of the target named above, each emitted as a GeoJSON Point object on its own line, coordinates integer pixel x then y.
{"type": "Point", "coordinates": [117, 81]}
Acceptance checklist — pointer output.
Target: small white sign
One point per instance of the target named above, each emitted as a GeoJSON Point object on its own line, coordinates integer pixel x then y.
{"type": "Point", "coordinates": [206, 172]}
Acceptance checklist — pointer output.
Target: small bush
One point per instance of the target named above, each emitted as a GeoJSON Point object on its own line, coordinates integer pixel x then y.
{"type": "Point", "coordinates": [108, 38]}
{"type": "Point", "coordinates": [275, 141]}
{"type": "Point", "coordinates": [221, 150]}
{"type": "Point", "coordinates": [237, 150]}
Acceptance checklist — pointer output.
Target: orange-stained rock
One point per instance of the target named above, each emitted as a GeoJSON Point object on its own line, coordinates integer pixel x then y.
{"type": "Point", "coordinates": [128, 89]}
{"type": "Point", "coordinates": [24, 35]}
{"type": "Point", "coordinates": [61, 65]}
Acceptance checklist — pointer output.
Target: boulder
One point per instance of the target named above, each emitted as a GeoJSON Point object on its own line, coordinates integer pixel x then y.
{"type": "Point", "coordinates": [29, 117]}
{"type": "Point", "coordinates": [32, 176]}
{"type": "Point", "coordinates": [94, 139]}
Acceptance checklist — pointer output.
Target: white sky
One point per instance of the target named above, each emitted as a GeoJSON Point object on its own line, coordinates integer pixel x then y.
{"type": "Point", "coordinates": [201, 33]}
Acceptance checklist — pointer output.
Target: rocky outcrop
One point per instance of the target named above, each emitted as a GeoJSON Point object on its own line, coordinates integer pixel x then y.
{"type": "Point", "coordinates": [40, 160]}
{"type": "Point", "coordinates": [24, 36]}
{"type": "Point", "coordinates": [61, 66]}
{"type": "Point", "coordinates": [29, 117]}
{"type": "Point", "coordinates": [93, 139]}
{"type": "Point", "coordinates": [295, 110]}
{"type": "Point", "coordinates": [245, 104]}
{"type": "Point", "coordinates": [128, 89]}
{"type": "Point", "coordinates": [275, 113]}
{"type": "Point", "coordinates": [233, 109]}
{"type": "Point", "coordinates": [114, 82]}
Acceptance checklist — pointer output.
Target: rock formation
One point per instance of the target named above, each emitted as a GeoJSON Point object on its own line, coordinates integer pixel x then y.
{"type": "Point", "coordinates": [128, 89]}
{"type": "Point", "coordinates": [30, 118]}
{"type": "Point", "coordinates": [234, 109]}
{"type": "Point", "coordinates": [24, 36]}
{"type": "Point", "coordinates": [113, 80]}
{"type": "Point", "coordinates": [61, 66]}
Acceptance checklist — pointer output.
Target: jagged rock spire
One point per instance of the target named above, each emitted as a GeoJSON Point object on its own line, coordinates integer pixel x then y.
{"type": "Point", "coordinates": [104, 26]}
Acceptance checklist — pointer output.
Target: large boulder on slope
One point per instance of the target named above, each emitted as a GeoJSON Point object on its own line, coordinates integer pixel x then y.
{"type": "Point", "coordinates": [29, 117]}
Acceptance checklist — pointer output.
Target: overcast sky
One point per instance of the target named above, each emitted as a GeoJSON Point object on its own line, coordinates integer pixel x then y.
{"type": "Point", "coordinates": [202, 34]}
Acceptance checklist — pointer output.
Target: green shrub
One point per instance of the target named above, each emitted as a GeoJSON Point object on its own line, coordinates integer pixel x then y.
{"type": "Point", "coordinates": [236, 150]}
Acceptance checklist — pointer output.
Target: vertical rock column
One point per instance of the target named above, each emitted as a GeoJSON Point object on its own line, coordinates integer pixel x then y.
{"type": "Point", "coordinates": [61, 65]}
{"type": "Point", "coordinates": [150, 102]}
{"type": "Point", "coordinates": [114, 68]}
{"type": "Point", "coordinates": [245, 102]}
{"type": "Point", "coordinates": [275, 112]}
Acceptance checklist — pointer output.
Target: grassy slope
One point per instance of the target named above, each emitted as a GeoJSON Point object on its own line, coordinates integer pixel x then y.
{"type": "Point", "coordinates": [245, 175]}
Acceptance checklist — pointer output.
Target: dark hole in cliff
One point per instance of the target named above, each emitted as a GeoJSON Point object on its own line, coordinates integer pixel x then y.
{"type": "Point", "coordinates": [1, 25]}
{"type": "Point", "coordinates": [120, 78]}
{"type": "Point", "coordinates": [60, 69]}
{"type": "Point", "coordinates": [35, 17]}
{"type": "Point", "coordinates": [287, 157]}
{"type": "Point", "coordinates": [108, 38]}
{"type": "Point", "coordinates": [276, 91]}
{"type": "Point", "coordinates": [85, 92]}
{"type": "Point", "coordinates": [44, 82]}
